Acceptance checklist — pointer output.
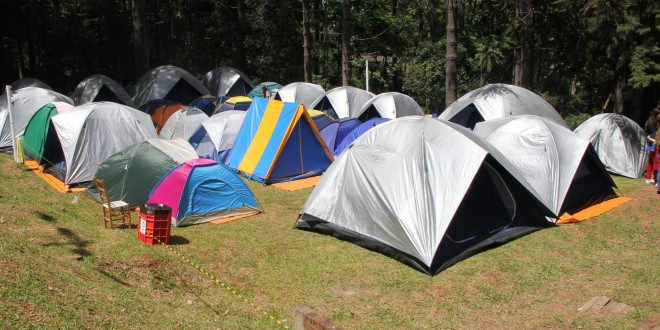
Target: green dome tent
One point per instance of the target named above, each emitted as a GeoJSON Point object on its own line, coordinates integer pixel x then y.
{"type": "Point", "coordinates": [132, 173]}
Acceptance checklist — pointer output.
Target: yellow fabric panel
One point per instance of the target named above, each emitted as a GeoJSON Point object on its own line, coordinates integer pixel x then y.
{"type": "Point", "coordinates": [261, 138]}
{"type": "Point", "coordinates": [299, 111]}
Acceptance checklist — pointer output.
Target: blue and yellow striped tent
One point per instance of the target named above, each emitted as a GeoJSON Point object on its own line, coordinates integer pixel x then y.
{"type": "Point", "coordinates": [278, 142]}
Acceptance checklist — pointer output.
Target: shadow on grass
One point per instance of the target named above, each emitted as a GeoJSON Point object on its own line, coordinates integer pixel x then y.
{"type": "Point", "coordinates": [44, 216]}
{"type": "Point", "coordinates": [112, 277]}
{"type": "Point", "coordinates": [78, 244]}
{"type": "Point", "coordinates": [178, 240]}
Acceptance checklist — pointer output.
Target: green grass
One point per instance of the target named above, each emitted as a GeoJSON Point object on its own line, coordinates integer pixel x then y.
{"type": "Point", "coordinates": [537, 281]}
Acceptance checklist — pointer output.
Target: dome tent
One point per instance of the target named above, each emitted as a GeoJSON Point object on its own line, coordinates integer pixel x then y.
{"type": "Point", "coordinates": [389, 105]}
{"type": "Point", "coordinates": [132, 173]}
{"type": "Point", "coordinates": [202, 190]}
{"type": "Point", "coordinates": [90, 133]}
{"type": "Point", "coordinates": [358, 131]}
{"type": "Point", "coordinates": [559, 165]}
{"type": "Point", "coordinates": [183, 123]}
{"type": "Point", "coordinates": [25, 103]}
{"type": "Point", "coordinates": [619, 142]}
{"type": "Point", "coordinates": [497, 101]}
{"type": "Point", "coordinates": [38, 129]}
{"type": "Point", "coordinates": [167, 82]}
{"type": "Point", "coordinates": [342, 102]}
{"type": "Point", "coordinates": [300, 92]}
{"type": "Point", "coordinates": [424, 192]}
{"type": "Point", "coordinates": [216, 137]}
{"type": "Point", "coordinates": [336, 131]}
{"type": "Point", "coordinates": [227, 81]}
{"type": "Point", "coordinates": [257, 91]}
{"type": "Point", "coordinates": [97, 88]}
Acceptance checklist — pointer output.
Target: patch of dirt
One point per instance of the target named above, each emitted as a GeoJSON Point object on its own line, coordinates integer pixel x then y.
{"type": "Point", "coordinates": [8, 265]}
{"type": "Point", "coordinates": [344, 292]}
{"type": "Point", "coordinates": [31, 314]}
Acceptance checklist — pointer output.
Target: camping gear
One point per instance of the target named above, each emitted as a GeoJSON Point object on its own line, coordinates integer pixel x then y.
{"type": "Point", "coordinates": [161, 111]}
{"type": "Point", "coordinates": [427, 193]}
{"type": "Point", "coordinates": [234, 103]}
{"type": "Point", "coordinates": [389, 105]}
{"type": "Point", "coordinates": [497, 101]}
{"type": "Point", "coordinates": [25, 103]}
{"type": "Point", "coordinates": [38, 129]}
{"type": "Point", "coordinates": [201, 190]}
{"type": "Point", "coordinates": [90, 133]}
{"type": "Point", "coordinates": [336, 131]}
{"type": "Point", "coordinates": [300, 92]}
{"type": "Point", "coordinates": [342, 102]}
{"type": "Point", "coordinates": [216, 137]}
{"type": "Point", "coordinates": [133, 172]}
{"type": "Point", "coordinates": [167, 82]}
{"type": "Point", "coordinates": [182, 123]}
{"type": "Point", "coordinates": [257, 91]}
{"type": "Point", "coordinates": [97, 88]}
{"type": "Point", "coordinates": [619, 142]}
{"type": "Point", "coordinates": [154, 225]}
{"type": "Point", "coordinates": [206, 103]}
{"type": "Point", "coordinates": [357, 132]}
{"type": "Point", "coordinates": [227, 81]}
{"type": "Point", "coordinates": [561, 167]}
{"type": "Point", "coordinates": [278, 141]}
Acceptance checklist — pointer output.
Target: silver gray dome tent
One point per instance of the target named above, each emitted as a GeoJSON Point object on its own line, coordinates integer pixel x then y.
{"type": "Point", "coordinates": [98, 88]}
{"type": "Point", "coordinates": [619, 142]}
{"type": "Point", "coordinates": [300, 92]}
{"type": "Point", "coordinates": [342, 102]}
{"type": "Point", "coordinates": [389, 105]}
{"type": "Point", "coordinates": [498, 101]}
{"type": "Point", "coordinates": [227, 81]}
{"type": "Point", "coordinates": [424, 192]}
{"type": "Point", "coordinates": [167, 82]}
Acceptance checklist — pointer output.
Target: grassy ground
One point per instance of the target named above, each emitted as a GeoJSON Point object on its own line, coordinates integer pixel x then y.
{"type": "Point", "coordinates": [535, 282]}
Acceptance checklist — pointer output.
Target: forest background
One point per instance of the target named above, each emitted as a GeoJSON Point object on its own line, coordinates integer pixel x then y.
{"type": "Point", "coordinates": [583, 56]}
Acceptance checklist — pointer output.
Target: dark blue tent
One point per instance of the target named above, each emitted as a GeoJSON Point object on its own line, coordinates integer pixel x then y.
{"type": "Point", "coordinates": [337, 130]}
{"type": "Point", "coordinates": [357, 132]}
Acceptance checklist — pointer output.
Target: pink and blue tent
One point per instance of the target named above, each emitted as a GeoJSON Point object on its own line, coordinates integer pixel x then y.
{"type": "Point", "coordinates": [202, 190]}
{"type": "Point", "coordinates": [278, 142]}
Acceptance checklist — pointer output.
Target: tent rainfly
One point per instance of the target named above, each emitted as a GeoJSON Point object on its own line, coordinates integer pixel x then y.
{"type": "Point", "coordinates": [167, 82]}
{"type": "Point", "coordinates": [258, 91]}
{"type": "Point", "coordinates": [357, 132]}
{"type": "Point", "coordinates": [336, 131]}
{"type": "Point", "coordinates": [38, 129]}
{"type": "Point", "coordinates": [619, 142]}
{"type": "Point", "coordinates": [216, 137]}
{"type": "Point", "coordinates": [300, 92]}
{"type": "Point", "coordinates": [97, 88]}
{"type": "Point", "coordinates": [561, 167]}
{"type": "Point", "coordinates": [183, 123]}
{"type": "Point", "coordinates": [498, 101]}
{"type": "Point", "coordinates": [227, 81]}
{"type": "Point", "coordinates": [424, 192]}
{"type": "Point", "coordinates": [342, 102]}
{"type": "Point", "coordinates": [389, 105]}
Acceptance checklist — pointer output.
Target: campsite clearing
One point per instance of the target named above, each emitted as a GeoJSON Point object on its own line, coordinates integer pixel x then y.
{"type": "Point", "coordinates": [537, 281]}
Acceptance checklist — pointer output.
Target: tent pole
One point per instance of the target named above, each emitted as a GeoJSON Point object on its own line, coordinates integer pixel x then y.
{"type": "Point", "coordinates": [11, 122]}
{"type": "Point", "coordinates": [366, 74]}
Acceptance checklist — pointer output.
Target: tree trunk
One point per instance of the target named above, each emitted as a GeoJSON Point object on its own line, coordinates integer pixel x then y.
{"type": "Point", "coordinates": [240, 58]}
{"type": "Point", "coordinates": [430, 34]}
{"type": "Point", "coordinates": [141, 41]}
{"type": "Point", "coordinates": [307, 57]}
{"type": "Point", "coordinates": [524, 56]}
{"type": "Point", "coordinates": [451, 54]}
{"type": "Point", "coordinates": [346, 43]}
{"type": "Point", "coordinates": [618, 95]}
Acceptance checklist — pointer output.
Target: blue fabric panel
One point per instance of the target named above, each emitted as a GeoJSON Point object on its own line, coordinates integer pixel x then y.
{"type": "Point", "coordinates": [303, 155]}
{"type": "Point", "coordinates": [329, 134]}
{"type": "Point", "coordinates": [357, 132]}
{"type": "Point", "coordinates": [276, 140]}
{"type": "Point", "coordinates": [322, 121]}
{"type": "Point", "coordinates": [246, 133]}
{"type": "Point", "coordinates": [346, 125]}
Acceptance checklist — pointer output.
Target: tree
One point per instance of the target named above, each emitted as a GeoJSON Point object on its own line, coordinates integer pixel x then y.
{"type": "Point", "coordinates": [346, 43]}
{"type": "Point", "coordinates": [140, 39]}
{"type": "Point", "coordinates": [307, 57]}
{"type": "Point", "coordinates": [524, 51]}
{"type": "Point", "coordinates": [451, 54]}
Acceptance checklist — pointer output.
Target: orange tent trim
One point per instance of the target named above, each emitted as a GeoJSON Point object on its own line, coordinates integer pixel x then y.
{"type": "Point", "coordinates": [592, 211]}
{"type": "Point", "coordinates": [51, 180]}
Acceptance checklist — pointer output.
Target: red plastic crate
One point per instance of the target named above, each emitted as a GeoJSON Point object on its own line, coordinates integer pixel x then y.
{"type": "Point", "coordinates": [154, 224]}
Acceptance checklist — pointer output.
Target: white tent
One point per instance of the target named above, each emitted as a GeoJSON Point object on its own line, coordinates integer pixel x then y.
{"type": "Point", "coordinates": [25, 103]}
{"type": "Point", "coordinates": [389, 105]}
{"type": "Point", "coordinates": [559, 165]}
{"type": "Point", "coordinates": [170, 83]}
{"type": "Point", "coordinates": [97, 88]}
{"type": "Point", "coordinates": [90, 133]}
{"type": "Point", "coordinates": [183, 123]}
{"type": "Point", "coordinates": [498, 101]}
{"type": "Point", "coordinates": [300, 92]}
{"type": "Point", "coordinates": [619, 142]}
{"type": "Point", "coordinates": [342, 102]}
{"type": "Point", "coordinates": [217, 135]}
{"type": "Point", "coordinates": [425, 192]}
{"type": "Point", "coordinates": [227, 81]}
